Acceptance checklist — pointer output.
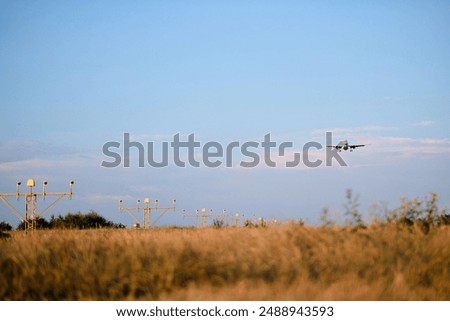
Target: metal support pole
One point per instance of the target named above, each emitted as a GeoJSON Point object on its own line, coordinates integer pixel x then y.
{"type": "Point", "coordinates": [31, 215]}
{"type": "Point", "coordinates": [146, 211]}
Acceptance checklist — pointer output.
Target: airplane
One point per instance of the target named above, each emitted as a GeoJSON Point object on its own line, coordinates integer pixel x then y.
{"type": "Point", "coordinates": [343, 145]}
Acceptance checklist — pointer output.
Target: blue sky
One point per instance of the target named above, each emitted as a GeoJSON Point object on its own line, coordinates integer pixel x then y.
{"type": "Point", "coordinates": [74, 75]}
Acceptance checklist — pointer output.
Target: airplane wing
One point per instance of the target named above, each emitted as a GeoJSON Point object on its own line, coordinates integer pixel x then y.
{"type": "Point", "coordinates": [355, 146]}
{"type": "Point", "coordinates": [335, 146]}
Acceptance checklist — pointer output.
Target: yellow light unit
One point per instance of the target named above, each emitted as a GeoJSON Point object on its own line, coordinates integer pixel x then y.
{"type": "Point", "coordinates": [31, 182]}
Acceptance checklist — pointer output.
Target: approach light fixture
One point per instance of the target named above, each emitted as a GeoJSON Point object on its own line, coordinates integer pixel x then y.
{"type": "Point", "coordinates": [31, 182]}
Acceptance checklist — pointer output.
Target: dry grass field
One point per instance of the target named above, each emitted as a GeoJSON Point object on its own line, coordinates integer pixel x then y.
{"type": "Point", "coordinates": [287, 262]}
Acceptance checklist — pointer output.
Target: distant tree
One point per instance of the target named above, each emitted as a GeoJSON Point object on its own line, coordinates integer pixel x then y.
{"type": "Point", "coordinates": [260, 223]}
{"type": "Point", "coordinates": [81, 221]}
{"type": "Point", "coordinates": [41, 224]}
{"type": "Point", "coordinates": [5, 226]}
{"type": "Point", "coordinates": [424, 212]}
{"type": "Point", "coordinates": [56, 222]}
{"type": "Point", "coordinates": [77, 220]}
{"type": "Point", "coordinates": [249, 223]}
{"type": "Point", "coordinates": [218, 223]}
{"type": "Point", "coordinates": [444, 219]}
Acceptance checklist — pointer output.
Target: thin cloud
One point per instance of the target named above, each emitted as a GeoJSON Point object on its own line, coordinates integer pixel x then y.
{"type": "Point", "coordinates": [424, 123]}
{"type": "Point", "coordinates": [338, 131]}
{"type": "Point", "coordinates": [16, 150]}
{"type": "Point", "coordinates": [39, 163]}
{"type": "Point", "coordinates": [383, 150]}
{"type": "Point", "coordinates": [379, 150]}
{"type": "Point", "coordinates": [106, 199]}
{"type": "Point", "coordinates": [157, 137]}
{"type": "Point", "coordinates": [388, 146]}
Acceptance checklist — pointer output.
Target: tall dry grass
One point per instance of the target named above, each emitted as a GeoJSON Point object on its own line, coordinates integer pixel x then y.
{"type": "Point", "coordinates": [382, 262]}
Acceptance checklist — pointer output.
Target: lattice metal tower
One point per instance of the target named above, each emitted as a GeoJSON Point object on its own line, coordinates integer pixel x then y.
{"type": "Point", "coordinates": [31, 212]}
{"type": "Point", "coordinates": [204, 215]}
{"type": "Point", "coordinates": [146, 211]}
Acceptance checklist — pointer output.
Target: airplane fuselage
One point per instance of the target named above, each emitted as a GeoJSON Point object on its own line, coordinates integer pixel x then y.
{"type": "Point", "coordinates": [343, 145]}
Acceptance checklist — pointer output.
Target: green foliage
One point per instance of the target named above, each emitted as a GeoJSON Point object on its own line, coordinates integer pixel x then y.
{"type": "Point", "coordinates": [218, 223]}
{"type": "Point", "coordinates": [412, 212]}
{"type": "Point", "coordinates": [5, 227]}
{"type": "Point", "coordinates": [41, 224]}
{"type": "Point", "coordinates": [81, 221]}
{"type": "Point", "coordinates": [420, 212]}
{"type": "Point", "coordinates": [78, 221]}
{"type": "Point", "coordinates": [260, 223]}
